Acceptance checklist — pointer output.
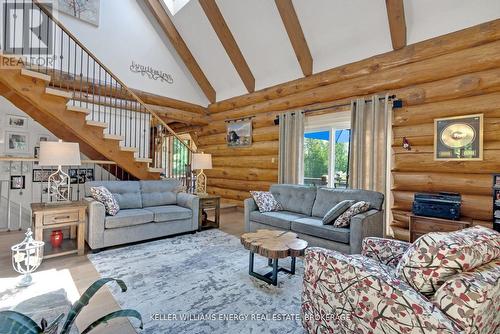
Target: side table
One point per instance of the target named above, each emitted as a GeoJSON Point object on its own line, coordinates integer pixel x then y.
{"type": "Point", "coordinates": [52, 216]}
{"type": "Point", "coordinates": [420, 225]}
{"type": "Point", "coordinates": [208, 202]}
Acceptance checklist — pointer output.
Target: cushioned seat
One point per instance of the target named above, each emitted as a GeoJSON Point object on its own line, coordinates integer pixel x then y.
{"type": "Point", "coordinates": [279, 219]}
{"type": "Point", "coordinates": [128, 217]}
{"type": "Point", "coordinates": [169, 212]}
{"type": "Point", "coordinates": [314, 227]}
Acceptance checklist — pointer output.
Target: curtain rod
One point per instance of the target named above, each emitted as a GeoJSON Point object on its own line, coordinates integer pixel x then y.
{"type": "Point", "coordinates": [391, 97]}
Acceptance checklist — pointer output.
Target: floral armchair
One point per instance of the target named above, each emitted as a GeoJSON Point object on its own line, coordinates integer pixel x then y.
{"type": "Point", "coordinates": [443, 283]}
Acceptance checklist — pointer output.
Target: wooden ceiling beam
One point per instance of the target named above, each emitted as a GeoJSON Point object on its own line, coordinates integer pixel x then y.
{"type": "Point", "coordinates": [296, 35]}
{"type": "Point", "coordinates": [180, 46]}
{"type": "Point", "coordinates": [226, 38]}
{"type": "Point", "coordinates": [397, 23]}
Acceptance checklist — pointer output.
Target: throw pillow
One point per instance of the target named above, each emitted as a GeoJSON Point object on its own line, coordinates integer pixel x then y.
{"type": "Point", "coordinates": [435, 257]}
{"type": "Point", "coordinates": [265, 201]}
{"type": "Point", "coordinates": [336, 211]}
{"type": "Point", "coordinates": [103, 195]}
{"type": "Point", "coordinates": [345, 219]}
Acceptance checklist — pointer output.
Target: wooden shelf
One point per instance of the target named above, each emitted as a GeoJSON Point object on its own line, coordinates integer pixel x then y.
{"type": "Point", "coordinates": [69, 246]}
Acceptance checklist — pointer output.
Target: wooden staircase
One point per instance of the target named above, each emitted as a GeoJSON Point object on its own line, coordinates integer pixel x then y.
{"type": "Point", "coordinates": [29, 91]}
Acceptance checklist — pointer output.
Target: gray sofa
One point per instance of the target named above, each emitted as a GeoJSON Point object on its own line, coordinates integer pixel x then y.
{"type": "Point", "coordinates": [148, 209]}
{"type": "Point", "coordinates": [305, 207]}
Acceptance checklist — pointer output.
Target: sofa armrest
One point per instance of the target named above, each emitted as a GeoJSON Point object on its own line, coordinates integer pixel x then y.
{"type": "Point", "coordinates": [250, 206]}
{"type": "Point", "coordinates": [96, 214]}
{"type": "Point", "coordinates": [386, 251]}
{"type": "Point", "coordinates": [366, 224]}
{"type": "Point", "coordinates": [354, 294]}
{"type": "Point", "coordinates": [192, 202]}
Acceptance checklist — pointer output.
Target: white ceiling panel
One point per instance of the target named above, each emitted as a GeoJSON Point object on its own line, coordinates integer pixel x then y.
{"type": "Point", "coordinates": [197, 32]}
{"type": "Point", "coordinates": [341, 31]}
{"type": "Point", "coordinates": [430, 18]}
{"type": "Point", "coordinates": [259, 32]}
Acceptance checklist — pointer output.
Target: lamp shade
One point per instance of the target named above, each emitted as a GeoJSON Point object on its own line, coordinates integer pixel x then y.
{"type": "Point", "coordinates": [53, 153]}
{"type": "Point", "coordinates": [202, 161]}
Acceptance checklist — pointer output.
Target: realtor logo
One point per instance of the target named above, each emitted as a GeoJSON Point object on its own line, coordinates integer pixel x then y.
{"type": "Point", "coordinates": [27, 30]}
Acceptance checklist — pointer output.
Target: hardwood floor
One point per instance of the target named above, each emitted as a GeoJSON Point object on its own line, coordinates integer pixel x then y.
{"type": "Point", "coordinates": [84, 274]}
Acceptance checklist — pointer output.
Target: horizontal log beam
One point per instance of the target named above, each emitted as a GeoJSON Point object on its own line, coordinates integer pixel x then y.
{"type": "Point", "coordinates": [259, 148]}
{"type": "Point", "coordinates": [260, 161]}
{"type": "Point", "coordinates": [240, 185]}
{"type": "Point", "coordinates": [260, 134]}
{"type": "Point", "coordinates": [456, 41]}
{"type": "Point", "coordinates": [245, 174]}
{"type": "Point", "coordinates": [177, 115]}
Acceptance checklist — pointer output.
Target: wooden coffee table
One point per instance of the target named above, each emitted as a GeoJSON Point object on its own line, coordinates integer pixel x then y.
{"type": "Point", "coordinates": [274, 245]}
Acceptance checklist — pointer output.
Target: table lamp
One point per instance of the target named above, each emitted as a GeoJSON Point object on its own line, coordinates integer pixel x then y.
{"type": "Point", "coordinates": [59, 154]}
{"type": "Point", "coordinates": [201, 161]}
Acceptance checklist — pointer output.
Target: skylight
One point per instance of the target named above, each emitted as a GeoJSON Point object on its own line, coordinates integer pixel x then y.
{"type": "Point", "coordinates": [175, 5]}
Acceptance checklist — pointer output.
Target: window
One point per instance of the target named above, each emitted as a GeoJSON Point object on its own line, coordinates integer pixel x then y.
{"type": "Point", "coordinates": [326, 150]}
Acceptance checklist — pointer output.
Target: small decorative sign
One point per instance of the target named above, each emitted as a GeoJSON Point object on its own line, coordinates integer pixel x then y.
{"type": "Point", "coordinates": [151, 73]}
{"type": "Point", "coordinates": [459, 138]}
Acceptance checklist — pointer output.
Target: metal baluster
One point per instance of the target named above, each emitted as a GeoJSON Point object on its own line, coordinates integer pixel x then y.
{"type": "Point", "coordinates": [105, 96]}
{"type": "Point", "coordinates": [8, 197]}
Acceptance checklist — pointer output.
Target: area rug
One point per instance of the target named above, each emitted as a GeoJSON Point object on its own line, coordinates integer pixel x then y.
{"type": "Point", "coordinates": [199, 283]}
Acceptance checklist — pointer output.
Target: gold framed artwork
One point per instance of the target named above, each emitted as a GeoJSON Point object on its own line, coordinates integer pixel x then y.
{"type": "Point", "coordinates": [239, 133]}
{"type": "Point", "coordinates": [459, 138]}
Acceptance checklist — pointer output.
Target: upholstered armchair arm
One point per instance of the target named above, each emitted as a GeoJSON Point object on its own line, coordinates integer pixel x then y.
{"type": "Point", "coordinates": [96, 214]}
{"type": "Point", "coordinates": [192, 202]}
{"type": "Point", "coordinates": [355, 294]}
{"type": "Point", "coordinates": [366, 224]}
{"type": "Point", "coordinates": [386, 251]}
{"type": "Point", "coordinates": [250, 206]}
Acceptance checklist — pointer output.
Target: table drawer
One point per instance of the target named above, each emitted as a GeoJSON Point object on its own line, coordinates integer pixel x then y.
{"type": "Point", "coordinates": [59, 218]}
{"type": "Point", "coordinates": [209, 202]}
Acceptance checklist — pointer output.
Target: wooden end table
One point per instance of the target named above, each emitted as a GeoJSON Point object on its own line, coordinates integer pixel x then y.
{"type": "Point", "coordinates": [208, 202]}
{"type": "Point", "coordinates": [274, 245]}
{"type": "Point", "coordinates": [51, 216]}
{"type": "Point", "coordinates": [420, 225]}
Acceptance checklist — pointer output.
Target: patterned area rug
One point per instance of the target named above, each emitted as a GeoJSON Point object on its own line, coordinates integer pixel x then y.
{"type": "Point", "coordinates": [199, 283]}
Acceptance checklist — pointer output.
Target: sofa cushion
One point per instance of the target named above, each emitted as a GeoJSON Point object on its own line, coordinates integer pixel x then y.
{"type": "Point", "coordinates": [279, 219]}
{"type": "Point", "coordinates": [327, 198]}
{"type": "Point", "coordinates": [126, 193]}
{"type": "Point", "coordinates": [435, 257]}
{"type": "Point", "coordinates": [169, 213]}
{"type": "Point", "coordinates": [265, 201]}
{"type": "Point", "coordinates": [472, 298]}
{"type": "Point", "coordinates": [103, 195]}
{"type": "Point", "coordinates": [336, 211]}
{"type": "Point", "coordinates": [128, 217]}
{"type": "Point", "coordinates": [315, 227]}
{"type": "Point", "coordinates": [295, 198]}
{"type": "Point", "coordinates": [345, 218]}
{"type": "Point", "coordinates": [159, 192]}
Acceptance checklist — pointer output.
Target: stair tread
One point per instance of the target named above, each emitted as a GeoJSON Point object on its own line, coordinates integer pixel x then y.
{"type": "Point", "coordinates": [78, 109]}
{"type": "Point", "coordinates": [96, 123]}
{"type": "Point", "coordinates": [59, 92]}
{"type": "Point", "coordinates": [113, 137]}
{"type": "Point", "coordinates": [130, 149]}
{"type": "Point", "coordinates": [36, 75]}
{"type": "Point", "coordinates": [155, 170]}
{"type": "Point", "coordinates": [147, 160]}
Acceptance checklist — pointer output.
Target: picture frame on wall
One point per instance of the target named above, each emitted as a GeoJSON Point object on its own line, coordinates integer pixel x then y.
{"type": "Point", "coordinates": [459, 138]}
{"type": "Point", "coordinates": [17, 182]}
{"type": "Point", "coordinates": [16, 142]}
{"type": "Point", "coordinates": [41, 175]}
{"type": "Point", "coordinates": [17, 122]}
{"type": "Point", "coordinates": [239, 133]}
{"type": "Point", "coordinates": [42, 138]}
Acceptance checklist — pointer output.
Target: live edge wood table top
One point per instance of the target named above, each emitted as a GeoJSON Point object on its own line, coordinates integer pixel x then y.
{"type": "Point", "coordinates": [52, 216]}
{"type": "Point", "coordinates": [274, 244]}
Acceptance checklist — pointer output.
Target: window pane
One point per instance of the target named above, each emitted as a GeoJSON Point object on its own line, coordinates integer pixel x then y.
{"type": "Point", "coordinates": [341, 167]}
{"type": "Point", "coordinates": [316, 157]}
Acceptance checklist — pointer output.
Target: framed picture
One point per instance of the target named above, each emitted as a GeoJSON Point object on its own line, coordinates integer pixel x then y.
{"type": "Point", "coordinates": [458, 138]}
{"type": "Point", "coordinates": [90, 175]}
{"type": "Point", "coordinates": [18, 122]}
{"type": "Point", "coordinates": [239, 133]}
{"type": "Point", "coordinates": [42, 138]}
{"type": "Point", "coordinates": [87, 11]}
{"type": "Point", "coordinates": [16, 142]}
{"type": "Point", "coordinates": [17, 182]}
{"type": "Point", "coordinates": [41, 175]}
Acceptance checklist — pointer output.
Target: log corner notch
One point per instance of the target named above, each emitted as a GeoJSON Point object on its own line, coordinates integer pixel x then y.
{"type": "Point", "coordinates": [397, 23]}
{"type": "Point", "coordinates": [296, 35]}
{"type": "Point", "coordinates": [180, 46]}
{"type": "Point", "coordinates": [222, 30]}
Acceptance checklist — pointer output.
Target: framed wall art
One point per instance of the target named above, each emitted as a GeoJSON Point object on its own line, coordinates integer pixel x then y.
{"type": "Point", "coordinates": [239, 133]}
{"type": "Point", "coordinates": [458, 138]}
{"type": "Point", "coordinates": [17, 182]}
{"type": "Point", "coordinates": [87, 10]}
{"type": "Point", "coordinates": [41, 175]}
{"type": "Point", "coordinates": [16, 142]}
{"type": "Point", "coordinates": [18, 122]}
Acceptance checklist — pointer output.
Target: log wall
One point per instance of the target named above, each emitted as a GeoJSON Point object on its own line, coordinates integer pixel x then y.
{"type": "Point", "coordinates": [454, 74]}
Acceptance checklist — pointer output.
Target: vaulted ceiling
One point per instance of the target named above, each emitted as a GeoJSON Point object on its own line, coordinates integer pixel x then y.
{"type": "Point", "coordinates": [233, 47]}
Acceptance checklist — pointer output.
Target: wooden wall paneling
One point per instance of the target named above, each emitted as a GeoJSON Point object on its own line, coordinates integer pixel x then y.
{"type": "Point", "coordinates": [239, 185]}
{"type": "Point", "coordinates": [245, 174]}
{"type": "Point", "coordinates": [450, 43]}
{"type": "Point", "coordinates": [254, 161]}
{"type": "Point", "coordinates": [259, 148]}
{"type": "Point", "coordinates": [267, 133]}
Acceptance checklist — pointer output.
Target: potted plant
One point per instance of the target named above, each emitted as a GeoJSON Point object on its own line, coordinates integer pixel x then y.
{"type": "Point", "coordinates": [12, 322]}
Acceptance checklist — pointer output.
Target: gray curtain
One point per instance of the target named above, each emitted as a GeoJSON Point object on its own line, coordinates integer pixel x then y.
{"type": "Point", "coordinates": [370, 131]}
{"type": "Point", "coordinates": [291, 159]}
